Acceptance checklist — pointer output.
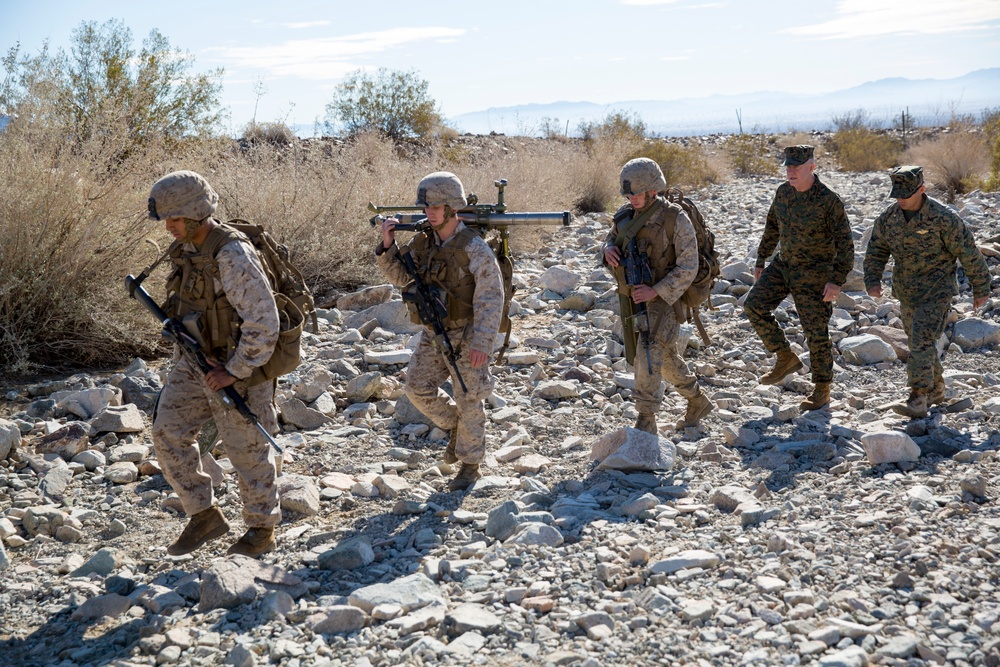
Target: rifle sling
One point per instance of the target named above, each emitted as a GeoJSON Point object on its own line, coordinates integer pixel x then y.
{"type": "Point", "coordinates": [628, 232]}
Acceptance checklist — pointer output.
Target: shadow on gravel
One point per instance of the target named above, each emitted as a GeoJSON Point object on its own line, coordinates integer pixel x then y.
{"type": "Point", "coordinates": [64, 641]}
{"type": "Point", "coordinates": [788, 456]}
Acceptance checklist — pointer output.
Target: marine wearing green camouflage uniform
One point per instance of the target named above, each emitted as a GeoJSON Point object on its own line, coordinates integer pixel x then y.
{"type": "Point", "coordinates": [924, 244]}
{"type": "Point", "coordinates": [816, 248]}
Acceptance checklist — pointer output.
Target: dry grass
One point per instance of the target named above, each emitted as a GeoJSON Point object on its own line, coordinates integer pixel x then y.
{"type": "Point", "coordinates": [957, 160]}
{"type": "Point", "coordinates": [71, 226]}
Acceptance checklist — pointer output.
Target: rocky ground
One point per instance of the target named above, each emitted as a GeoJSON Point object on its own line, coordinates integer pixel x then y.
{"type": "Point", "coordinates": [842, 537]}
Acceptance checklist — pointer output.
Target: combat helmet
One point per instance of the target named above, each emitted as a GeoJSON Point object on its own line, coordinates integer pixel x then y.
{"type": "Point", "coordinates": [442, 188]}
{"type": "Point", "coordinates": [182, 194]}
{"type": "Point", "coordinates": [641, 175]}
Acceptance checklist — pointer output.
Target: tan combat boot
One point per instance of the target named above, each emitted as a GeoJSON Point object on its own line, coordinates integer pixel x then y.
{"type": "Point", "coordinates": [819, 397]}
{"type": "Point", "coordinates": [646, 422]}
{"type": "Point", "coordinates": [466, 477]}
{"type": "Point", "coordinates": [915, 406]}
{"type": "Point", "coordinates": [449, 453]}
{"type": "Point", "coordinates": [937, 394]}
{"type": "Point", "coordinates": [697, 407]}
{"type": "Point", "coordinates": [786, 363]}
{"type": "Point", "coordinates": [255, 541]}
{"type": "Point", "coordinates": [204, 526]}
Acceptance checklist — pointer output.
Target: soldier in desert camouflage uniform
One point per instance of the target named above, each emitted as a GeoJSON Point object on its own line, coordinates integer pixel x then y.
{"type": "Point", "coordinates": [816, 254]}
{"type": "Point", "coordinates": [924, 237]}
{"type": "Point", "coordinates": [666, 236]}
{"type": "Point", "coordinates": [243, 298]}
{"type": "Point", "coordinates": [456, 262]}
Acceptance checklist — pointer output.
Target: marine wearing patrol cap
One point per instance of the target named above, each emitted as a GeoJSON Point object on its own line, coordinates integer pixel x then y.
{"type": "Point", "coordinates": [796, 155]}
{"type": "Point", "coordinates": [906, 180]}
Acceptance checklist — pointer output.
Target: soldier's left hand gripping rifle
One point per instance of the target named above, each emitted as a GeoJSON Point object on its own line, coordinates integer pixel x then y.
{"type": "Point", "coordinates": [175, 331]}
{"type": "Point", "coordinates": [637, 272]}
{"type": "Point", "coordinates": [483, 218]}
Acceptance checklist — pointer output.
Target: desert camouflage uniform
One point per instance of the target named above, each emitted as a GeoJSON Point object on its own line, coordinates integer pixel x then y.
{"type": "Point", "coordinates": [186, 402]}
{"type": "Point", "coordinates": [816, 248]}
{"type": "Point", "coordinates": [654, 240]}
{"type": "Point", "coordinates": [429, 366]}
{"type": "Point", "coordinates": [924, 279]}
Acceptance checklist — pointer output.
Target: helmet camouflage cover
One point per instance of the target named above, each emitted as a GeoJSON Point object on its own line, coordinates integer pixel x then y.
{"type": "Point", "coordinates": [182, 194]}
{"type": "Point", "coordinates": [442, 188]}
{"type": "Point", "coordinates": [641, 175]}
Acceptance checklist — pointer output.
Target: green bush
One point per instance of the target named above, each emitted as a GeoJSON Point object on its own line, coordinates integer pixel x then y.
{"type": "Point", "coordinates": [105, 93]}
{"type": "Point", "coordinates": [681, 165]}
{"type": "Point", "coordinates": [991, 128]}
{"type": "Point", "coordinates": [617, 126]}
{"type": "Point", "coordinates": [390, 101]}
{"type": "Point", "coordinates": [750, 155]}
{"type": "Point", "coordinates": [862, 149]}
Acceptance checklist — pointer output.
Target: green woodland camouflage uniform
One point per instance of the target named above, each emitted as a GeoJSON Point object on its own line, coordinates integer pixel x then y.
{"type": "Point", "coordinates": [816, 248]}
{"type": "Point", "coordinates": [924, 250]}
{"type": "Point", "coordinates": [674, 263]}
{"type": "Point", "coordinates": [186, 401]}
{"type": "Point", "coordinates": [429, 367]}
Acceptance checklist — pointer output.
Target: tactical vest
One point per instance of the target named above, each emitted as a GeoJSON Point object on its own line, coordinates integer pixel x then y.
{"type": "Point", "coordinates": [656, 238]}
{"type": "Point", "coordinates": [446, 270]}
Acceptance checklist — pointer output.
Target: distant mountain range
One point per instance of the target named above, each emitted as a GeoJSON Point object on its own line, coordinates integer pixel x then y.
{"type": "Point", "coordinates": [929, 102]}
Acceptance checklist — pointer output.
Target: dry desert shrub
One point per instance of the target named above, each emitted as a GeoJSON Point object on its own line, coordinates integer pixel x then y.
{"type": "Point", "coordinates": [956, 160]}
{"type": "Point", "coordinates": [66, 231]}
{"type": "Point", "coordinates": [801, 139]}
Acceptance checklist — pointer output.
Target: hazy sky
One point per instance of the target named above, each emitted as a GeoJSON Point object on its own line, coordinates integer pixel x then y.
{"type": "Point", "coordinates": [477, 55]}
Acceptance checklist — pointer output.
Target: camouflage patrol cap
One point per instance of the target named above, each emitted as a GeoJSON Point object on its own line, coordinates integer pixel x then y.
{"type": "Point", "coordinates": [182, 194]}
{"type": "Point", "coordinates": [796, 155]}
{"type": "Point", "coordinates": [641, 175]}
{"type": "Point", "coordinates": [442, 188]}
{"type": "Point", "coordinates": [906, 181]}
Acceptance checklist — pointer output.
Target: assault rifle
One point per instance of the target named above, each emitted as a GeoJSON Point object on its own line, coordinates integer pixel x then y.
{"type": "Point", "coordinates": [431, 311]}
{"type": "Point", "coordinates": [637, 272]}
{"type": "Point", "coordinates": [175, 331]}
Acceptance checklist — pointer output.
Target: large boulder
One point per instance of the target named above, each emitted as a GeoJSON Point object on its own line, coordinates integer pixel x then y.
{"type": "Point", "coordinates": [866, 349]}
{"type": "Point", "coordinates": [974, 332]}
{"type": "Point", "coordinates": [10, 438]}
{"type": "Point", "coordinates": [631, 450]}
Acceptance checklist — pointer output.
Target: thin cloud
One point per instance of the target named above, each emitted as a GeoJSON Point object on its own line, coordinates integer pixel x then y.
{"type": "Point", "coordinates": [326, 58]}
{"type": "Point", "coordinates": [675, 58]}
{"type": "Point", "coordinates": [869, 18]}
{"type": "Point", "coordinates": [306, 24]}
{"type": "Point", "coordinates": [647, 3]}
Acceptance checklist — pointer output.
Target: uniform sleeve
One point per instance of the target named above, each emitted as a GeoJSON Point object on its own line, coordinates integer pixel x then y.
{"type": "Point", "coordinates": [681, 276]}
{"type": "Point", "coordinates": [390, 265]}
{"type": "Point", "coordinates": [488, 299]}
{"type": "Point", "coordinates": [877, 253]}
{"type": "Point", "coordinates": [769, 241]}
{"type": "Point", "coordinates": [249, 292]}
{"type": "Point", "coordinates": [843, 241]}
{"type": "Point", "coordinates": [961, 244]}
